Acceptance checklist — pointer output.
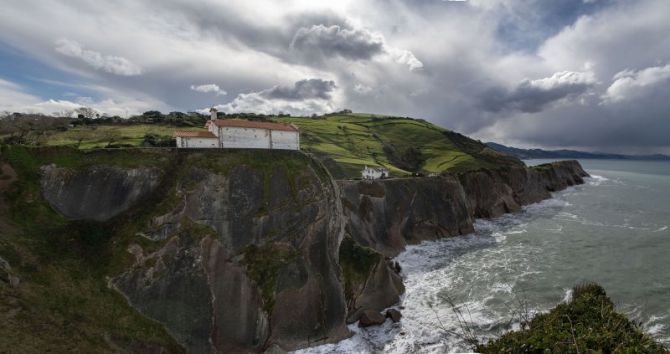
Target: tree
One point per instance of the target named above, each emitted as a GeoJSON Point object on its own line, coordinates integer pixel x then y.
{"type": "Point", "coordinates": [86, 112]}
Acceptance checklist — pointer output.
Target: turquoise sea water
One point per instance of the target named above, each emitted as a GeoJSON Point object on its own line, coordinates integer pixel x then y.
{"type": "Point", "coordinates": [614, 230]}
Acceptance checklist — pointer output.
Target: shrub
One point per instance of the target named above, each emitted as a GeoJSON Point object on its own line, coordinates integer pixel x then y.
{"type": "Point", "coordinates": [587, 324]}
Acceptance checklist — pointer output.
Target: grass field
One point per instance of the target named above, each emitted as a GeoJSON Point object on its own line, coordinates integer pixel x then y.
{"type": "Point", "coordinates": [345, 142]}
{"type": "Point", "coordinates": [402, 145]}
{"type": "Point", "coordinates": [99, 136]}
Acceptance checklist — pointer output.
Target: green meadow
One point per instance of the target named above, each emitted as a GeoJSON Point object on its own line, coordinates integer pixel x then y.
{"type": "Point", "coordinates": [344, 142]}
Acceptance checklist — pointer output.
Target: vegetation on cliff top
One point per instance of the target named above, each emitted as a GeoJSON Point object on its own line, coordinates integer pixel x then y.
{"type": "Point", "coordinates": [587, 324]}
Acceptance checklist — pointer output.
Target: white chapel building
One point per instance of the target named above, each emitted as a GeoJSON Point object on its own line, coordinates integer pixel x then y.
{"type": "Point", "coordinates": [242, 134]}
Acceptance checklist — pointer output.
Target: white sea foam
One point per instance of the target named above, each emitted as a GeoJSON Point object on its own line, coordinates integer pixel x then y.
{"type": "Point", "coordinates": [568, 296]}
{"type": "Point", "coordinates": [596, 180]}
{"type": "Point", "coordinates": [661, 229]}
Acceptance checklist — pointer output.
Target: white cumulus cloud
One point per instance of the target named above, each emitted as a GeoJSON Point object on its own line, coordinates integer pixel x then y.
{"type": "Point", "coordinates": [209, 88]}
{"type": "Point", "coordinates": [629, 84]}
{"type": "Point", "coordinates": [304, 97]}
{"type": "Point", "coordinates": [108, 63]}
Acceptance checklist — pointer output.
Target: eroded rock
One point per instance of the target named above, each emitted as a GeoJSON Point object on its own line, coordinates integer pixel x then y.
{"type": "Point", "coordinates": [96, 193]}
{"type": "Point", "coordinates": [371, 318]}
{"type": "Point", "coordinates": [394, 315]}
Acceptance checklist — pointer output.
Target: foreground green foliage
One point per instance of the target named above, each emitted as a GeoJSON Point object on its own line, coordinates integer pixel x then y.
{"type": "Point", "coordinates": [588, 324]}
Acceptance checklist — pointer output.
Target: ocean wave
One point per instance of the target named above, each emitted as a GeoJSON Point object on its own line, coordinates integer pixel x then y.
{"type": "Point", "coordinates": [596, 180]}
{"type": "Point", "coordinates": [568, 296]}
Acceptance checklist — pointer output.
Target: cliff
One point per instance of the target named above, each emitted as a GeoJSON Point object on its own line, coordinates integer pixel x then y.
{"type": "Point", "coordinates": [227, 251]}
{"type": "Point", "coordinates": [384, 216]}
{"type": "Point", "coordinates": [223, 250]}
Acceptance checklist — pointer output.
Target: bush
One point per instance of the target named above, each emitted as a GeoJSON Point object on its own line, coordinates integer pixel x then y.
{"type": "Point", "coordinates": [587, 324]}
{"type": "Point", "coordinates": [155, 140]}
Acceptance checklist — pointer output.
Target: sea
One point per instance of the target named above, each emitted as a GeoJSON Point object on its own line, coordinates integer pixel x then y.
{"type": "Point", "coordinates": [613, 230]}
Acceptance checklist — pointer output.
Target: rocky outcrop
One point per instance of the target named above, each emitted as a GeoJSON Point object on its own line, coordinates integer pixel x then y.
{"type": "Point", "coordinates": [387, 215]}
{"type": "Point", "coordinates": [7, 276]}
{"type": "Point", "coordinates": [492, 193]}
{"type": "Point", "coordinates": [249, 261]}
{"type": "Point", "coordinates": [96, 193]}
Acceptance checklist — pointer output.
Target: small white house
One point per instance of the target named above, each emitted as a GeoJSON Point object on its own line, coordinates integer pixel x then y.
{"type": "Point", "coordinates": [242, 134]}
{"type": "Point", "coordinates": [374, 173]}
{"type": "Point", "coordinates": [186, 139]}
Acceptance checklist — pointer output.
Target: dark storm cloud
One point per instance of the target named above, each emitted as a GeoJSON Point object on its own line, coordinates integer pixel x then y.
{"type": "Point", "coordinates": [534, 96]}
{"type": "Point", "coordinates": [301, 90]}
{"type": "Point", "coordinates": [334, 40]}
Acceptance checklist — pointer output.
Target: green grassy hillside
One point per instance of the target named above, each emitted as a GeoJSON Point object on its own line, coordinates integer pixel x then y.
{"type": "Point", "coordinates": [347, 142]}
{"type": "Point", "coordinates": [344, 142]}
{"type": "Point", "coordinates": [100, 136]}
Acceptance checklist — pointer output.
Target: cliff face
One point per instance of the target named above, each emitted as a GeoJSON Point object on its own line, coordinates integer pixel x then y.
{"type": "Point", "coordinates": [232, 251]}
{"type": "Point", "coordinates": [247, 251]}
{"type": "Point", "coordinates": [386, 215]}
{"type": "Point", "coordinates": [96, 193]}
{"type": "Point", "coordinates": [250, 262]}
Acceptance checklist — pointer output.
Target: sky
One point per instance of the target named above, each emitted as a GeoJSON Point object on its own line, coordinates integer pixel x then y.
{"type": "Point", "coordinates": [587, 74]}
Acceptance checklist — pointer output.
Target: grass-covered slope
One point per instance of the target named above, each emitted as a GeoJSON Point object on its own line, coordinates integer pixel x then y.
{"type": "Point", "coordinates": [588, 324]}
{"type": "Point", "coordinates": [347, 142]}
{"type": "Point", "coordinates": [100, 136]}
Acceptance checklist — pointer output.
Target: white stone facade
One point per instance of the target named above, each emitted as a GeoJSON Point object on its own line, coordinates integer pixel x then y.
{"type": "Point", "coordinates": [242, 134]}
{"type": "Point", "coordinates": [197, 142]}
{"type": "Point", "coordinates": [374, 173]}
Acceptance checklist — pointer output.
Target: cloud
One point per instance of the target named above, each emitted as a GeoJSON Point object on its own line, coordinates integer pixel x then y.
{"type": "Point", "coordinates": [362, 89]}
{"type": "Point", "coordinates": [111, 64]}
{"type": "Point", "coordinates": [13, 98]}
{"type": "Point", "coordinates": [405, 57]}
{"type": "Point", "coordinates": [336, 41]}
{"type": "Point", "coordinates": [302, 90]}
{"type": "Point", "coordinates": [323, 42]}
{"type": "Point", "coordinates": [629, 84]}
{"type": "Point", "coordinates": [207, 88]}
{"type": "Point", "coordinates": [305, 97]}
{"type": "Point", "coordinates": [532, 96]}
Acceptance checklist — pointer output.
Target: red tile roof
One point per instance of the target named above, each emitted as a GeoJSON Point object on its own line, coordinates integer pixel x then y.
{"type": "Point", "coordinates": [191, 134]}
{"type": "Point", "coordinates": [239, 123]}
